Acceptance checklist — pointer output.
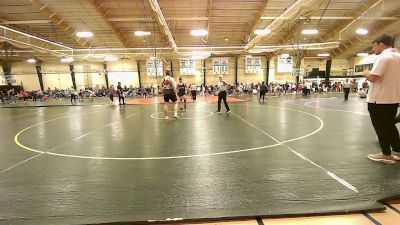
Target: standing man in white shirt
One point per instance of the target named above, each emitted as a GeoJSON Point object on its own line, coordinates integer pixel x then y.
{"type": "Point", "coordinates": [193, 91]}
{"type": "Point", "coordinates": [222, 86]}
{"type": "Point", "coordinates": [384, 97]}
{"type": "Point", "coordinates": [346, 89]}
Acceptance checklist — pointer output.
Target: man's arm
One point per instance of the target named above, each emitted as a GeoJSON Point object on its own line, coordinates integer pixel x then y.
{"type": "Point", "coordinates": [371, 77]}
{"type": "Point", "coordinates": [162, 85]}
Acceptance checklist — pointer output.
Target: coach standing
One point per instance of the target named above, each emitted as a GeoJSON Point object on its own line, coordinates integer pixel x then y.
{"type": "Point", "coordinates": [384, 97]}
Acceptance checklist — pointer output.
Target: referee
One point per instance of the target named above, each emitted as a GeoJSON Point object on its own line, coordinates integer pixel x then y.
{"type": "Point", "coordinates": [222, 85]}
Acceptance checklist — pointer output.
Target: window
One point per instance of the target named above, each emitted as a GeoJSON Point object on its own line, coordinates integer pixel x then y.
{"type": "Point", "coordinates": [187, 67]}
{"type": "Point", "coordinates": [253, 64]}
{"type": "Point", "coordinates": [220, 65]}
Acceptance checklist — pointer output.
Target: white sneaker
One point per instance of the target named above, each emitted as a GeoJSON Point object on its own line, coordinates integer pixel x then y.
{"type": "Point", "coordinates": [176, 115]}
{"type": "Point", "coordinates": [396, 155]}
{"type": "Point", "coordinates": [218, 112]}
{"type": "Point", "coordinates": [388, 159]}
{"type": "Point", "coordinates": [166, 117]}
{"type": "Point", "coordinates": [229, 111]}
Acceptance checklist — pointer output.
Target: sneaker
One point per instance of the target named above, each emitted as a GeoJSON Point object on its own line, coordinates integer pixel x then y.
{"type": "Point", "coordinates": [181, 108]}
{"type": "Point", "coordinates": [166, 117]}
{"type": "Point", "coordinates": [228, 111]}
{"type": "Point", "coordinates": [396, 155]}
{"type": "Point", "coordinates": [176, 115]}
{"type": "Point", "coordinates": [388, 159]}
{"type": "Point", "coordinates": [218, 111]}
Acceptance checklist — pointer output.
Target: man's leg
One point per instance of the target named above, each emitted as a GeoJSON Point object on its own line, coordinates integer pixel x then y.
{"type": "Point", "coordinates": [379, 122]}
{"type": "Point", "coordinates": [377, 114]}
{"type": "Point", "coordinates": [397, 119]}
{"type": "Point", "coordinates": [219, 101]}
{"type": "Point", "coordinates": [391, 128]}
{"type": "Point", "coordinates": [176, 109]}
{"type": "Point", "coordinates": [225, 102]}
{"type": "Point", "coordinates": [166, 110]}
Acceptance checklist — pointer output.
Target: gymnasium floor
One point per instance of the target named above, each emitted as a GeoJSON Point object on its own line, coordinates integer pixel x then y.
{"type": "Point", "coordinates": [106, 163]}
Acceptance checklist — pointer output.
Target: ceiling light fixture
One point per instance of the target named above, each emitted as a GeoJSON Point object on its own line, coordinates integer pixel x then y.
{"type": "Point", "coordinates": [152, 58]}
{"type": "Point", "coordinates": [362, 31]}
{"type": "Point", "coordinates": [67, 60]}
{"type": "Point", "coordinates": [285, 55]}
{"type": "Point", "coordinates": [142, 33]}
{"type": "Point", "coordinates": [31, 60]}
{"type": "Point", "coordinates": [200, 32]}
{"type": "Point", "coordinates": [323, 54]}
{"type": "Point", "coordinates": [262, 31]}
{"type": "Point", "coordinates": [110, 58]}
{"type": "Point", "coordinates": [362, 54]}
{"type": "Point", "coordinates": [309, 31]}
{"type": "Point", "coordinates": [200, 55]}
{"type": "Point", "coordinates": [84, 34]}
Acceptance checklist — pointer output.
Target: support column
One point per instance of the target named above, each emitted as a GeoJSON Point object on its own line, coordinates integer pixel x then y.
{"type": "Point", "coordinates": [267, 72]}
{"type": "Point", "coordinates": [171, 68]}
{"type": "Point", "coordinates": [71, 68]}
{"type": "Point", "coordinates": [204, 72]}
{"type": "Point", "coordinates": [138, 69]}
{"type": "Point", "coordinates": [328, 70]}
{"type": "Point", "coordinates": [40, 76]}
{"type": "Point", "coordinates": [106, 74]}
{"type": "Point", "coordinates": [236, 70]}
{"type": "Point", "coordinates": [7, 71]}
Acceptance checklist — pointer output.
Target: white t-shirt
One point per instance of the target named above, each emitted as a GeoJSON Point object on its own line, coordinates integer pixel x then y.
{"type": "Point", "coordinates": [386, 90]}
{"type": "Point", "coordinates": [347, 84]}
{"type": "Point", "coordinates": [221, 86]}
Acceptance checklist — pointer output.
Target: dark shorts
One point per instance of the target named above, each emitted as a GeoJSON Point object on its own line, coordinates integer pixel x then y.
{"type": "Point", "coordinates": [168, 97]}
{"type": "Point", "coordinates": [180, 94]}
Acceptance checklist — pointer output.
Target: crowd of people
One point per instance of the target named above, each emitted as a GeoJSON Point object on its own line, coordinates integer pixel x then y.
{"type": "Point", "coordinates": [273, 88]}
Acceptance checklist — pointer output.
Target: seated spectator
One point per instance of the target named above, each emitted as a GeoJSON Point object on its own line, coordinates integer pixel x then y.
{"type": "Point", "coordinates": [362, 93]}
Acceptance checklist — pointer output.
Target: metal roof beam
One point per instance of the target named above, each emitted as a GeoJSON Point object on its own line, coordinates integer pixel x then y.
{"type": "Point", "coordinates": [257, 19]}
{"type": "Point", "coordinates": [59, 22]}
{"type": "Point", "coordinates": [163, 24]}
{"type": "Point", "coordinates": [103, 14]}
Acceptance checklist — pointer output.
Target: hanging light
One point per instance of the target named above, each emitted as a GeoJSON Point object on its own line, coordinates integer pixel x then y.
{"type": "Point", "coordinates": [362, 54]}
{"type": "Point", "coordinates": [31, 60]}
{"type": "Point", "coordinates": [362, 31]}
{"type": "Point", "coordinates": [309, 31]}
{"type": "Point", "coordinates": [200, 32]}
{"type": "Point", "coordinates": [142, 33]}
{"type": "Point", "coordinates": [84, 34]}
{"type": "Point", "coordinates": [110, 58]}
{"type": "Point", "coordinates": [323, 54]}
{"type": "Point", "coordinates": [67, 60]}
{"type": "Point", "coordinates": [262, 31]}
